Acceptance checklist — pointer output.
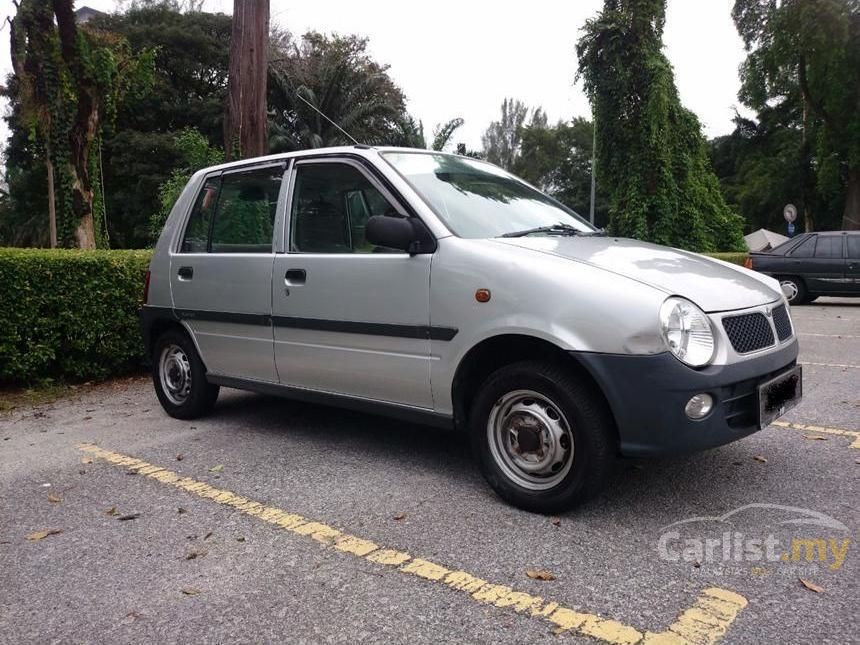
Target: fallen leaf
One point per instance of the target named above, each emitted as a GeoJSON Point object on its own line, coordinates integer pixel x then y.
{"type": "Point", "coordinates": [86, 460]}
{"type": "Point", "coordinates": [192, 555]}
{"type": "Point", "coordinates": [112, 511]}
{"type": "Point", "coordinates": [737, 463]}
{"type": "Point", "coordinates": [814, 437]}
{"type": "Point", "coordinates": [181, 510]}
{"type": "Point", "coordinates": [41, 535]}
{"type": "Point", "coordinates": [54, 499]}
{"type": "Point", "coordinates": [398, 516]}
{"type": "Point", "coordinates": [180, 457]}
{"type": "Point", "coordinates": [87, 418]}
{"type": "Point", "coordinates": [190, 591]}
{"type": "Point", "coordinates": [240, 539]}
{"type": "Point", "coordinates": [539, 574]}
{"type": "Point", "coordinates": [208, 535]}
{"type": "Point", "coordinates": [556, 521]}
{"type": "Point", "coordinates": [761, 459]}
{"type": "Point", "coordinates": [130, 516]}
{"type": "Point", "coordinates": [217, 469]}
{"type": "Point", "coordinates": [811, 586]}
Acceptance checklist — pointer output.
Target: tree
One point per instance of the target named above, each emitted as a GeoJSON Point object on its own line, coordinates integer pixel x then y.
{"type": "Point", "coordinates": [651, 154]}
{"type": "Point", "coordinates": [810, 49]}
{"type": "Point", "coordinates": [443, 132]}
{"type": "Point", "coordinates": [336, 76]}
{"type": "Point", "coordinates": [69, 81]}
{"type": "Point", "coordinates": [502, 139]}
{"type": "Point", "coordinates": [557, 159]}
{"type": "Point", "coordinates": [245, 120]}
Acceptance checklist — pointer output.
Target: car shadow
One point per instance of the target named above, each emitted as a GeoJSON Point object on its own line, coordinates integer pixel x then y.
{"type": "Point", "coordinates": [661, 485]}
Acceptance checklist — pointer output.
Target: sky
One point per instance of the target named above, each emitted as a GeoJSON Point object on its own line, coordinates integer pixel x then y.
{"type": "Point", "coordinates": [461, 58]}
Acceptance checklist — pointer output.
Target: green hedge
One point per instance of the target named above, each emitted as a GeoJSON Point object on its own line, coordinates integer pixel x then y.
{"type": "Point", "coordinates": [67, 314]}
{"type": "Point", "coordinates": [733, 256]}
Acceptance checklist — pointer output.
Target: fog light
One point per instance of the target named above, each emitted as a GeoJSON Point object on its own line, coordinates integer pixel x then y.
{"type": "Point", "coordinates": [699, 406]}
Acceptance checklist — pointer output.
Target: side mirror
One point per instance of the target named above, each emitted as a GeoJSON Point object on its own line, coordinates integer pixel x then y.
{"type": "Point", "coordinates": [402, 233]}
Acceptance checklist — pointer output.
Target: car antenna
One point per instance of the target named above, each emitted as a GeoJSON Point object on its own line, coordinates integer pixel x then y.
{"type": "Point", "coordinates": [320, 112]}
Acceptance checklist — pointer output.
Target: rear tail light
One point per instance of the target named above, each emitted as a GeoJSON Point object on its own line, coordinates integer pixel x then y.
{"type": "Point", "coordinates": [146, 287]}
{"type": "Point", "coordinates": [748, 262]}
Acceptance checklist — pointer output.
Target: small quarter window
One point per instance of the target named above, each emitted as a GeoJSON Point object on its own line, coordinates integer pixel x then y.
{"type": "Point", "coordinates": [196, 238]}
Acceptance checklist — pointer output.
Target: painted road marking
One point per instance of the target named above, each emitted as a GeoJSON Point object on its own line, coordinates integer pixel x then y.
{"type": "Point", "coordinates": [832, 365]}
{"type": "Point", "coordinates": [853, 434]}
{"type": "Point", "coordinates": [702, 624]}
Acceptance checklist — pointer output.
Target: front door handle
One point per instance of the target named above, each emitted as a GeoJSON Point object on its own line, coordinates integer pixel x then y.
{"type": "Point", "coordinates": [186, 273]}
{"type": "Point", "coordinates": [295, 277]}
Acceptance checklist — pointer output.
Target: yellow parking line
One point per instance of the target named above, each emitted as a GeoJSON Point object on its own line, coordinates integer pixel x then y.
{"type": "Point", "coordinates": [832, 365]}
{"type": "Point", "coordinates": [853, 434]}
{"type": "Point", "coordinates": [702, 624]}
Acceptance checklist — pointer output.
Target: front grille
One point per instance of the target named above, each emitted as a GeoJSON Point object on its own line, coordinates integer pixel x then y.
{"type": "Point", "coordinates": [782, 322]}
{"type": "Point", "coordinates": [748, 332]}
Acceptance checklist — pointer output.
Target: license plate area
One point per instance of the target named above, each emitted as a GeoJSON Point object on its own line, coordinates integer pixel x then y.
{"type": "Point", "coordinates": [779, 395]}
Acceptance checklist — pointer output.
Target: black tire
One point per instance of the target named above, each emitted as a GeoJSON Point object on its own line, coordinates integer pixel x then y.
{"type": "Point", "coordinates": [588, 421]}
{"type": "Point", "coordinates": [798, 287]}
{"type": "Point", "coordinates": [192, 400]}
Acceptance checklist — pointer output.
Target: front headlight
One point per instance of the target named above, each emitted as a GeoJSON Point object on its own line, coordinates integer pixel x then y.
{"type": "Point", "coordinates": [687, 331]}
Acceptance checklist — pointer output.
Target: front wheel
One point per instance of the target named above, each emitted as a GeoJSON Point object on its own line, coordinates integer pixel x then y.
{"type": "Point", "coordinates": [543, 438]}
{"type": "Point", "coordinates": [794, 290]}
{"type": "Point", "coordinates": [179, 377]}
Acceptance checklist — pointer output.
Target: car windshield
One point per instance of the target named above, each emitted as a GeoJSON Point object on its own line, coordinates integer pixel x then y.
{"type": "Point", "coordinates": [479, 200]}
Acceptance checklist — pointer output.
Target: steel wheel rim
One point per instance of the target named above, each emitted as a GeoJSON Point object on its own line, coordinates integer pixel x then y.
{"type": "Point", "coordinates": [530, 439]}
{"type": "Point", "coordinates": [790, 287]}
{"type": "Point", "coordinates": [174, 370]}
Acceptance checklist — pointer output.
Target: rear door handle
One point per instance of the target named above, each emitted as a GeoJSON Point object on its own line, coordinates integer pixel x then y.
{"type": "Point", "coordinates": [295, 277]}
{"type": "Point", "coordinates": [186, 273]}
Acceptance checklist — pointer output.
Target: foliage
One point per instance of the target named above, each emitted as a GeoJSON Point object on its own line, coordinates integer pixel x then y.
{"type": "Point", "coordinates": [337, 76]}
{"type": "Point", "coordinates": [807, 52]}
{"type": "Point", "coordinates": [69, 313]}
{"type": "Point", "coordinates": [501, 141]}
{"type": "Point", "coordinates": [734, 257]}
{"type": "Point", "coordinates": [652, 156]}
{"type": "Point", "coordinates": [195, 152]}
{"type": "Point", "coordinates": [70, 80]}
{"type": "Point", "coordinates": [557, 159]}
{"type": "Point", "coordinates": [443, 133]}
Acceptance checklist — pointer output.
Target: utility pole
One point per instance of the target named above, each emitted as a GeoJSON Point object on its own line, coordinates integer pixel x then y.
{"type": "Point", "coordinates": [593, 167]}
{"type": "Point", "coordinates": [245, 124]}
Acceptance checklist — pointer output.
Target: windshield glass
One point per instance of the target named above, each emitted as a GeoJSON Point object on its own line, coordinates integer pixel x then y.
{"type": "Point", "coordinates": [478, 200]}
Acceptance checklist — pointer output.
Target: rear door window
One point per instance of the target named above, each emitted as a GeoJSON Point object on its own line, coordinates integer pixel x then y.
{"type": "Point", "coordinates": [854, 247]}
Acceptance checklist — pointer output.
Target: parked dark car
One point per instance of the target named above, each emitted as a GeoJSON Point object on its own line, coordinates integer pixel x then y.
{"type": "Point", "coordinates": [813, 264]}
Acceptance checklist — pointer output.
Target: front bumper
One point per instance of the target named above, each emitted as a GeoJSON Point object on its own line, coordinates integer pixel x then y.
{"type": "Point", "coordinates": [647, 395]}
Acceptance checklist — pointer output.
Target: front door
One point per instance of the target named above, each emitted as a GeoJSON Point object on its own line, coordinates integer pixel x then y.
{"type": "Point", "coordinates": [349, 318]}
{"type": "Point", "coordinates": [221, 276]}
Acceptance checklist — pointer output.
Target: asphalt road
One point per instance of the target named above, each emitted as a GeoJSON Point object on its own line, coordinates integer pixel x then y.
{"type": "Point", "coordinates": [400, 540]}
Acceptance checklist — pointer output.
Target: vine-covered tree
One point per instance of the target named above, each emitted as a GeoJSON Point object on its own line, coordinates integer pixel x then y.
{"type": "Point", "coordinates": [810, 50]}
{"type": "Point", "coordinates": [652, 156]}
{"type": "Point", "coordinates": [69, 79]}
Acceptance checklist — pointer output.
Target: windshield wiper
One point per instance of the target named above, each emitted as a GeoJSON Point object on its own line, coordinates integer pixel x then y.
{"type": "Point", "coordinates": [561, 229]}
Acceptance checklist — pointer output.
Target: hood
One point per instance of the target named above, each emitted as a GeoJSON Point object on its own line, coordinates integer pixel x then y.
{"type": "Point", "coordinates": [711, 284]}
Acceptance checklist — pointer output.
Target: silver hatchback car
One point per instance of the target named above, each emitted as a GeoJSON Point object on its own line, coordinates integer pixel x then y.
{"type": "Point", "coordinates": [441, 289]}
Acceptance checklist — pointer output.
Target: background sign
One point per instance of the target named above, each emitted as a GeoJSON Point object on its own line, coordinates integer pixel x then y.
{"type": "Point", "coordinates": [789, 213]}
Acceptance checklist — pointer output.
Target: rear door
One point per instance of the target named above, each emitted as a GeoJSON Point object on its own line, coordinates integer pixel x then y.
{"type": "Point", "coordinates": [221, 274]}
{"type": "Point", "coordinates": [349, 318]}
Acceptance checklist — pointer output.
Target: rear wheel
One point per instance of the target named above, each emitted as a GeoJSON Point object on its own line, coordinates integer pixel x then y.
{"type": "Point", "coordinates": [794, 290]}
{"type": "Point", "coordinates": [179, 377]}
{"type": "Point", "coordinates": [543, 438]}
